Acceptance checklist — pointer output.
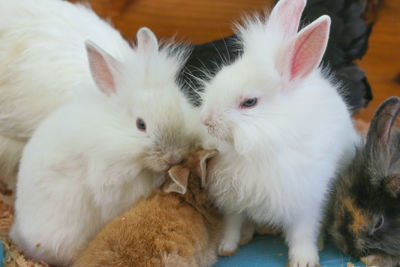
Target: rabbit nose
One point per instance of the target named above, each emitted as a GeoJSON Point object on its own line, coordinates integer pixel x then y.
{"type": "Point", "coordinates": [206, 120]}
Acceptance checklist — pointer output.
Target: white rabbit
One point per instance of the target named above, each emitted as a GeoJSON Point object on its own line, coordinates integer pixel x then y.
{"type": "Point", "coordinates": [92, 158]}
{"type": "Point", "coordinates": [43, 63]}
{"type": "Point", "coordinates": [282, 130]}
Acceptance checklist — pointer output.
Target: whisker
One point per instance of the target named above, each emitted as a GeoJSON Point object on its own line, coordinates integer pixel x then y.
{"type": "Point", "coordinates": [223, 60]}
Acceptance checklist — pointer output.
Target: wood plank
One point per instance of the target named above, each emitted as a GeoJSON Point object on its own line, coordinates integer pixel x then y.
{"type": "Point", "coordinates": [194, 21]}
{"type": "Point", "coordinates": [382, 61]}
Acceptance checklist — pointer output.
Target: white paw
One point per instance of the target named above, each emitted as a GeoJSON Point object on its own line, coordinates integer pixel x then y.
{"type": "Point", "coordinates": [303, 264]}
{"type": "Point", "coordinates": [304, 260]}
{"type": "Point", "coordinates": [247, 233]}
{"type": "Point", "coordinates": [227, 248]}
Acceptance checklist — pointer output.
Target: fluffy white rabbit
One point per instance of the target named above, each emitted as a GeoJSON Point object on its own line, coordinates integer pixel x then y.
{"type": "Point", "coordinates": [43, 63]}
{"type": "Point", "coordinates": [282, 130]}
{"type": "Point", "coordinates": [90, 159]}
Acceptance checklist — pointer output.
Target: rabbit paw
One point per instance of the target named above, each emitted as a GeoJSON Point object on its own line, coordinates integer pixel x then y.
{"type": "Point", "coordinates": [227, 248]}
{"type": "Point", "coordinates": [303, 264]}
{"type": "Point", "coordinates": [247, 233]}
{"type": "Point", "coordinates": [304, 260]}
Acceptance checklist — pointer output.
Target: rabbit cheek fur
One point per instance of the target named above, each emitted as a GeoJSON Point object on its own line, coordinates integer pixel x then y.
{"type": "Point", "coordinates": [363, 212]}
{"type": "Point", "coordinates": [90, 160]}
{"type": "Point", "coordinates": [43, 64]}
{"type": "Point", "coordinates": [162, 230]}
{"type": "Point", "coordinates": [278, 156]}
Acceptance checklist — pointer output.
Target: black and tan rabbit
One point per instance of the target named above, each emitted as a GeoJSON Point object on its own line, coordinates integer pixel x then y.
{"type": "Point", "coordinates": [364, 211]}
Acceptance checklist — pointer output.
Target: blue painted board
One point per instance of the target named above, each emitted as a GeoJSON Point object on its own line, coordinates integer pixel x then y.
{"type": "Point", "coordinates": [1, 254]}
{"type": "Point", "coordinates": [271, 251]}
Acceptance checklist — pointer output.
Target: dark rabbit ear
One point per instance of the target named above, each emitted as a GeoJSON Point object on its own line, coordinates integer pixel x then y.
{"type": "Point", "coordinates": [392, 183]}
{"type": "Point", "coordinates": [179, 180]}
{"type": "Point", "coordinates": [201, 168]}
{"type": "Point", "coordinates": [382, 122]}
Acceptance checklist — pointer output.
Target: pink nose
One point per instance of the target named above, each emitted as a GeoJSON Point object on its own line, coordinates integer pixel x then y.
{"type": "Point", "coordinates": [205, 119]}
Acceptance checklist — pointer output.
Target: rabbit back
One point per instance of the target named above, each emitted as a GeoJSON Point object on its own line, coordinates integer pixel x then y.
{"type": "Point", "coordinates": [158, 231]}
{"type": "Point", "coordinates": [44, 61]}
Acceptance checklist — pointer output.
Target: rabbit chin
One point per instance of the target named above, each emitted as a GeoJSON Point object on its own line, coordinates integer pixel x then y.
{"type": "Point", "coordinates": [219, 134]}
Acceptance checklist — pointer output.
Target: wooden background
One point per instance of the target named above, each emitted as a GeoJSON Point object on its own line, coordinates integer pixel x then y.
{"type": "Point", "coordinates": [205, 20]}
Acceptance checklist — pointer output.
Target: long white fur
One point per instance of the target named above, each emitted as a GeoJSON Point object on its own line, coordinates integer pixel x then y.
{"type": "Point", "coordinates": [43, 63]}
{"type": "Point", "coordinates": [276, 159]}
{"type": "Point", "coordinates": [87, 162]}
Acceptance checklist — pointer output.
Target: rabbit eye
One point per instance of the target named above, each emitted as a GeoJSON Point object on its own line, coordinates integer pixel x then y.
{"type": "Point", "coordinates": [249, 102]}
{"type": "Point", "coordinates": [379, 224]}
{"type": "Point", "coordinates": [140, 124]}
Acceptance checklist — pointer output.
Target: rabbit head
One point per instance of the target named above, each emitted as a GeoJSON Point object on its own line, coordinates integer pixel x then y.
{"type": "Point", "coordinates": [141, 89]}
{"type": "Point", "coordinates": [276, 64]}
{"type": "Point", "coordinates": [363, 217]}
{"type": "Point", "coordinates": [189, 179]}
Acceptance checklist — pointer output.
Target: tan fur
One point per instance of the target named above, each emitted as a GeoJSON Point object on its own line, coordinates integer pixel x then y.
{"type": "Point", "coordinates": [380, 260]}
{"type": "Point", "coordinates": [162, 230]}
{"type": "Point", "coordinates": [268, 230]}
{"type": "Point", "coordinates": [393, 184]}
{"type": "Point", "coordinates": [361, 126]}
{"type": "Point", "coordinates": [10, 153]}
{"type": "Point", "coordinates": [360, 221]}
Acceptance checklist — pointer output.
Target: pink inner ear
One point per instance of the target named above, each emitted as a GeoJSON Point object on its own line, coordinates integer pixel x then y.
{"type": "Point", "coordinates": [309, 48]}
{"type": "Point", "coordinates": [101, 72]}
{"type": "Point", "coordinates": [386, 119]}
{"type": "Point", "coordinates": [146, 40]}
{"type": "Point", "coordinates": [287, 14]}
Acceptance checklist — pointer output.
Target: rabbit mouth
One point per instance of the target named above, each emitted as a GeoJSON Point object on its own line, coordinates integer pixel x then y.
{"type": "Point", "coordinates": [218, 133]}
{"type": "Point", "coordinates": [212, 130]}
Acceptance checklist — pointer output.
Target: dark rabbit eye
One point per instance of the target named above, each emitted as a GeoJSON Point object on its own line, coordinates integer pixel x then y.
{"type": "Point", "coordinates": [379, 224]}
{"type": "Point", "coordinates": [140, 124]}
{"type": "Point", "coordinates": [249, 102]}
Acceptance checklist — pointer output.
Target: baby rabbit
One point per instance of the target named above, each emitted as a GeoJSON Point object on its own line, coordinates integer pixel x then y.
{"type": "Point", "coordinates": [176, 229]}
{"type": "Point", "coordinates": [364, 211]}
{"type": "Point", "coordinates": [282, 130]}
{"type": "Point", "coordinates": [92, 158]}
{"type": "Point", "coordinates": [43, 63]}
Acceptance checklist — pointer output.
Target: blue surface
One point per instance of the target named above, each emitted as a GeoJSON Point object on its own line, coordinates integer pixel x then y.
{"type": "Point", "coordinates": [271, 251]}
{"type": "Point", "coordinates": [1, 254]}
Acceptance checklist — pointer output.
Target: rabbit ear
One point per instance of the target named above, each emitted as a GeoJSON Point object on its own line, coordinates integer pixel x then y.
{"type": "Point", "coordinates": [392, 183]}
{"type": "Point", "coordinates": [103, 68]}
{"type": "Point", "coordinates": [179, 180]}
{"type": "Point", "coordinates": [286, 15]}
{"type": "Point", "coordinates": [382, 122]}
{"type": "Point", "coordinates": [304, 52]}
{"type": "Point", "coordinates": [201, 168]}
{"type": "Point", "coordinates": [146, 40]}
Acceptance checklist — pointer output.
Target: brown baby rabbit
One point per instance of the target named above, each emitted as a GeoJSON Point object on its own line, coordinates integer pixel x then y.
{"type": "Point", "coordinates": [176, 226]}
{"type": "Point", "coordinates": [364, 211]}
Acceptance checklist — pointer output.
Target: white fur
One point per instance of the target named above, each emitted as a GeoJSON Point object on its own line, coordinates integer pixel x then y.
{"type": "Point", "coordinates": [43, 63]}
{"type": "Point", "coordinates": [276, 159]}
{"type": "Point", "coordinates": [88, 162]}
